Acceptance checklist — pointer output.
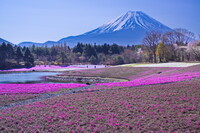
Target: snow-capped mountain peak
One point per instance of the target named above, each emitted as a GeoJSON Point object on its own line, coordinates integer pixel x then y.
{"type": "Point", "coordinates": [130, 20]}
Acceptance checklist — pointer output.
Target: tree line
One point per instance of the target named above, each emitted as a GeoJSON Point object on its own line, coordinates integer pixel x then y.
{"type": "Point", "coordinates": [170, 46]}
{"type": "Point", "coordinates": [15, 57]}
{"type": "Point", "coordinates": [83, 54]}
{"type": "Point", "coordinates": [156, 47]}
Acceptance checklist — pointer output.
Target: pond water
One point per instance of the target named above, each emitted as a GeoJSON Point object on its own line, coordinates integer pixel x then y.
{"type": "Point", "coordinates": [24, 77]}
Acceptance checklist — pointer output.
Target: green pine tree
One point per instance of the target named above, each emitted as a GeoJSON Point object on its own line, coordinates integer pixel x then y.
{"type": "Point", "coordinates": [19, 55]}
{"type": "Point", "coordinates": [3, 53]}
{"type": "Point", "coordinates": [28, 58]}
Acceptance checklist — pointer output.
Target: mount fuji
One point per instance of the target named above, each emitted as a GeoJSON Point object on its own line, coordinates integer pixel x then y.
{"type": "Point", "coordinates": [128, 29]}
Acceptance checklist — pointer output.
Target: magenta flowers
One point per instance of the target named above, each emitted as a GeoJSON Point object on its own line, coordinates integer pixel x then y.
{"type": "Point", "coordinates": [160, 108]}
{"type": "Point", "coordinates": [133, 106]}
{"type": "Point", "coordinates": [34, 88]}
{"type": "Point", "coordinates": [153, 79]}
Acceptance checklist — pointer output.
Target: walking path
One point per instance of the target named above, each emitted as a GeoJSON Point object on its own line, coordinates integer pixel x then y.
{"type": "Point", "coordinates": [43, 97]}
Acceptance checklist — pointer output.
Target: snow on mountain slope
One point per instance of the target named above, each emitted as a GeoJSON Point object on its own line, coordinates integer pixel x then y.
{"type": "Point", "coordinates": [131, 20]}
{"type": "Point", "coordinates": [130, 28]}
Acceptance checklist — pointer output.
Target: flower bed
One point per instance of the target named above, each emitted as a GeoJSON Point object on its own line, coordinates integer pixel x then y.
{"type": "Point", "coordinates": [12, 98]}
{"type": "Point", "coordinates": [34, 88]}
{"type": "Point", "coordinates": [160, 108]}
{"type": "Point", "coordinates": [153, 79]}
{"type": "Point", "coordinates": [119, 72]}
{"type": "Point", "coordinates": [132, 73]}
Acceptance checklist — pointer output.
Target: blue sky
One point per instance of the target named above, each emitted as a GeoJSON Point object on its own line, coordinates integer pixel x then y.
{"type": "Point", "coordinates": [43, 20]}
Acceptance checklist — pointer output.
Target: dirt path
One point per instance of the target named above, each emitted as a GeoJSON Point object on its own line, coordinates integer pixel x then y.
{"type": "Point", "coordinates": [43, 97]}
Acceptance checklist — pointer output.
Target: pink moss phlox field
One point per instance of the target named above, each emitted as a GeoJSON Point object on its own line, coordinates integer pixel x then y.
{"type": "Point", "coordinates": [12, 98]}
{"type": "Point", "coordinates": [161, 108]}
{"type": "Point", "coordinates": [153, 79]}
{"type": "Point", "coordinates": [41, 67]}
{"type": "Point", "coordinates": [120, 72]}
{"type": "Point", "coordinates": [35, 88]}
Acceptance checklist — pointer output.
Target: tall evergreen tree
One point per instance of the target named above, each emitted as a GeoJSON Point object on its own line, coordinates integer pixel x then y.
{"type": "Point", "coordinates": [115, 49]}
{"type": "Point", "coordinates": [10, 51]}
{"type": "Point", "coordinates": [24, 49]}
{"type": "Point", "coordinates": [3, 53]}
{"type": "Point", "coordinates": [33, 48]}
{"type": "Point", "coordinates": [78, 48]}
{"type": "Point", "coordinates": [90, 51]}
{"type": "Point", "coordinates": [106, 48]}
{"type": "Point", "coordinates": [28, 58]}
{"type": "Point", "coordinates": [19, 55]}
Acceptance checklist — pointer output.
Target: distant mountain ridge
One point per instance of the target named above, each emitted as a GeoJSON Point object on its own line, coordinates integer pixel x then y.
{"type": "Point", "coordinates": [48, 44]}
{"type": "Point", "coordinates": [128, 29]}
{"type": "Point", "coordinates": [3, 40]}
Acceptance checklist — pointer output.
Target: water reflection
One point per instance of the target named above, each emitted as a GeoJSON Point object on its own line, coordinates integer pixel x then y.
{"type": "Point", "coordinates": [24, 77]}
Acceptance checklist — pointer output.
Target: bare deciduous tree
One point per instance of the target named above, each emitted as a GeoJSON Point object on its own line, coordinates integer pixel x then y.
{"type": "Point", "coordinates": [194, 50]}
{"type": "Point", "coordinates": [179, 36]}
{"type": "Point", "coordinates": [169, 37]}
{"type": "Point", "coordinates": [183, 36]}
{"type": "Point", "coordinates": [151, 40]}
